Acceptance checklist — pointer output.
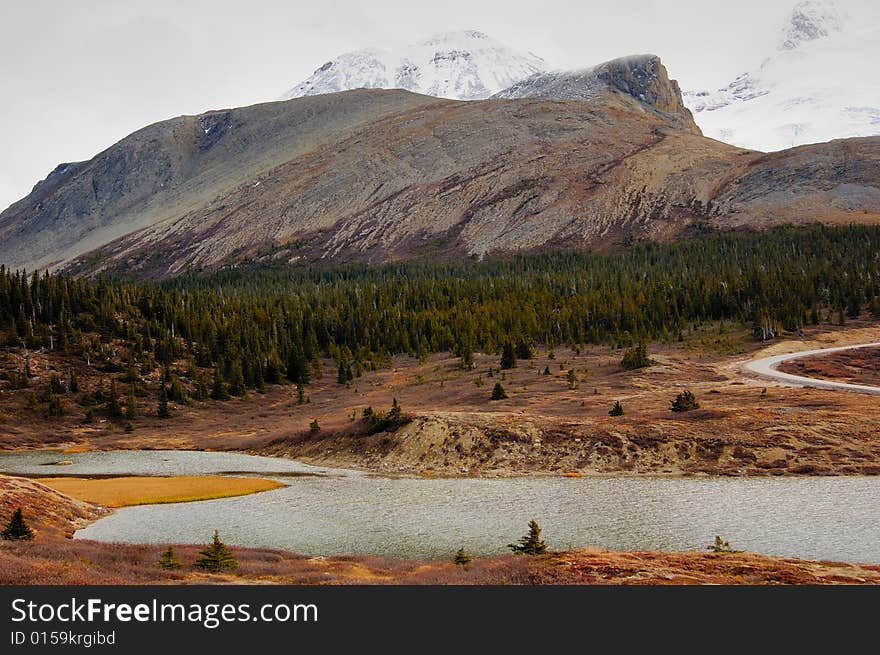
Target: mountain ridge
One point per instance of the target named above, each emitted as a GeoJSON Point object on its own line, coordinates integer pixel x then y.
{"type": "Point", "coordinates": [378, 175]}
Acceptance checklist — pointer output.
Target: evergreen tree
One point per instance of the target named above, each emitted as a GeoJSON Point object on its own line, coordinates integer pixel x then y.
{"type": "Point", "coordinates": [467, 359]}
{"type": "Point", "coordinates": [524, 349]}
{"type": "Point", "coordinates": [546, 370]}
{"type": "Point", "coordinates": [344, 373]}
{"type": "Point", "coordinates": [169, 560]}
{"type": "Point", "coordinates": [531, 543]}
{"type": "Point", "coordinates": [55, 405]}
{"type": "Point", "coordinates": [572, 379]}
{"type": "Point", "coordinates": [131, 374]}
{"type": "Point", "coordinates": [636, 357]}
{"type": "Point", "coordinates": [298, 367]}
{"type": "Point", "coordinates": [395, 414]}
{"type": "Point", "coordinates": [17, 529]}
{"type": "Point", "coordinates": [216, 557]}
{"type": "Point", "coordinates": [498, 392]}
{"type": "Point", "coordinates": [259, 382]}
{"type": "Point", "coordinates": [163, 410]}
{"type": "Point", "coordinates": [114, 409]}
{"type": "Point", "coordinates": [685, 402]}
{"type": "Point", "coordinates": [201, 387]}
{"type": "Point", "coordinates": [617, 409]}
{"type": "Point", "coordinates": [55, 385]}
{"type": "Point", "coordinates": [236, 379]}
{"type": "Point", "coordinates": [314, 428]}
{"type": "Point", "coordinates": [508, 357]}
{"type": "Point", "coordinates": [130, 404]}
{"type": "Point", "coordinates": [273, 369]}
{"type": "Point", "coordinates": [176, 391]}
{"type": "Point", "coordinates": [100, 393]}
{"type": "Point", "coordinates": [461, 557]}
{"type": "Point", "coordinates": [218, 388]}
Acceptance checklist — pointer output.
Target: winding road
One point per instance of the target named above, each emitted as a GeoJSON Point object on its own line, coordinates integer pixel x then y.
{"type": "Point", "coordinates": [766, 368]}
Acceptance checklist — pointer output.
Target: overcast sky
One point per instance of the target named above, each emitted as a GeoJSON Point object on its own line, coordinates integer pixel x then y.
{"type": "Point", "coordinates": [78, 76]}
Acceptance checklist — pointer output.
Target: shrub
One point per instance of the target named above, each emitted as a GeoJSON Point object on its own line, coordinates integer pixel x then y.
{"type": "Point", "coordinates": [617, 410]}
{"type": "Point", "coordinates": [531, 543]}
{"type": "Point", "coordinates": [385, 421]}
{"type": "Point", "coordinates": [685, 402]}
{"type": "Point", "coordinates": [636, 357]}
{"type": "Point", "coordinates": [498, 392]}
{"type": "Point", "coordinates": [461, 558]}
{"type": "Point", "coordinates": [314, 427]}
{"type": "Point", "coordinates": [721, 546]}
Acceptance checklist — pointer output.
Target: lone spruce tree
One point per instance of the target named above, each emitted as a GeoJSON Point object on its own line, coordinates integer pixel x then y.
{"type": "Point", "coordinates": [498, 392]}
{"type": "Point", "coordinates": [461, 557]}
{"type": "Point", "coordinates": [169, 560]}
{"type": "Point", "coordinates": [163, 409]}
{"type": "Point", "coordinates": [617, 409]}
{"type": "Point", "coordinates": [216, 557]}
{"type": "Point", "coordinates": [17, 529]}
{"type": "Point", "coordinates": [531, 543]}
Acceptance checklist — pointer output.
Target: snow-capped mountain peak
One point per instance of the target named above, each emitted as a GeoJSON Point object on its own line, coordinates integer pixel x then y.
{"type": "Point", "coordinates": [464, 65]}
{"type": "Point", "coordinates": [818, 85]}
{"type": "Point", "coordinates": [810, 21]}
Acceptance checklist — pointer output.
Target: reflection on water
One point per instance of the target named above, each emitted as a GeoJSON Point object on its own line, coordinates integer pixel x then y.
{"type": "Point", "coordinates": [348, 512]}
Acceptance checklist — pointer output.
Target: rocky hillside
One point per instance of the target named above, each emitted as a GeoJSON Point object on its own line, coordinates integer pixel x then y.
{"type": "Point", "coordinates": [641, 77]}
{"type": "Point", "coordinates": [49, 513]}
{"type": "Point", "coordinates": [579, 159]}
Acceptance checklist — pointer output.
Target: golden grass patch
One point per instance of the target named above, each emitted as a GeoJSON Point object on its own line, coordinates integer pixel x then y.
{"type": "Point", "coordinates": [127, 491]}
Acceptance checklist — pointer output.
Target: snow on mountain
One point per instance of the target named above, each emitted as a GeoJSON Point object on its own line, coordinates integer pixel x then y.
{"type": "Point", "coordinates": [820, 84]}
{"type": "Point", "coordinates": [466, 65]}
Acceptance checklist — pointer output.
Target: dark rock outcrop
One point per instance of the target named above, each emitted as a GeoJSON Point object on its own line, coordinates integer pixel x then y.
{"type": "Point", "coordinates": [642, 77]}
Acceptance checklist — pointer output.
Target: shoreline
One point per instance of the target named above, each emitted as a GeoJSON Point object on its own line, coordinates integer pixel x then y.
{"type": "Point", "coordinates": [435, 475]}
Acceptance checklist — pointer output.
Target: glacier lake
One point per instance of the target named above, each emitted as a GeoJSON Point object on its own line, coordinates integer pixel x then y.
{"type": "Point", "coordinates": [325, 511]}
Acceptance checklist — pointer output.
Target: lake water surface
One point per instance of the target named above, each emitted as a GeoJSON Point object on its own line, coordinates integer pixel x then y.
{"type": "Point", "coordinates": [348, 512]}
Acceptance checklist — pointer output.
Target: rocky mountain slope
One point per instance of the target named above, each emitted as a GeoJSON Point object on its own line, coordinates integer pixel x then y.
{"type": "Point", "coordinates": [818, 85]}
{"type": "Point", "coordinates": [642, 77]}
{"type": "Point", "coordinates": [466, 65]}
{"type": "Point", "coordinates": [563, 160]}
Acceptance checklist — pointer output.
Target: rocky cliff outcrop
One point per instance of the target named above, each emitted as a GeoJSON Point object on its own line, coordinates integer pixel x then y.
{"type": "Point", "coordinates": [642, 77]}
